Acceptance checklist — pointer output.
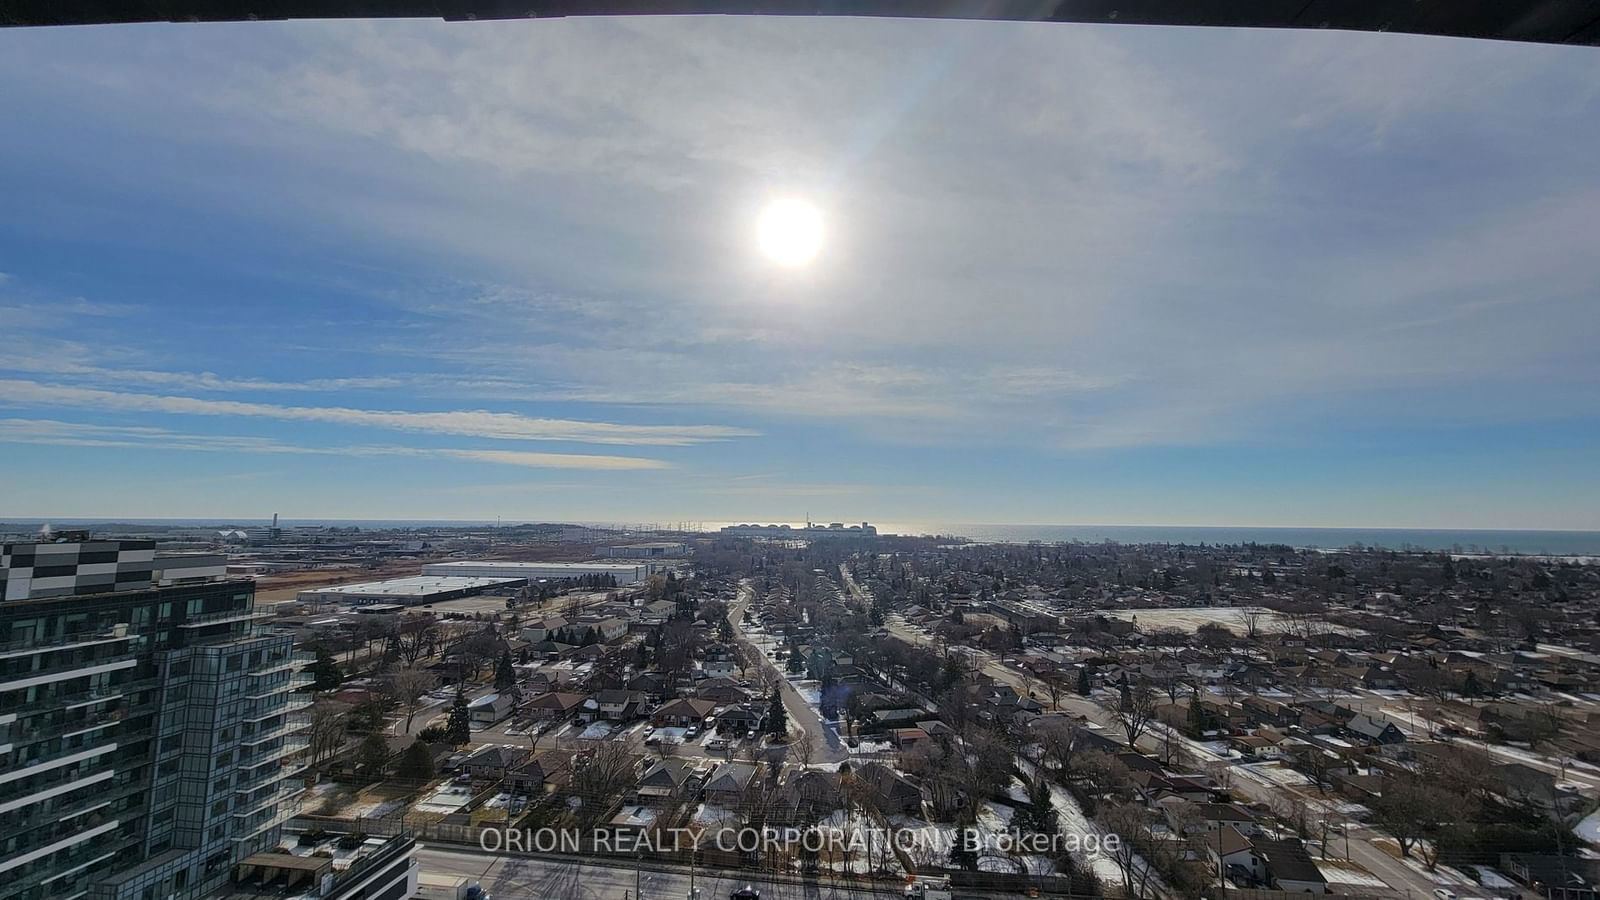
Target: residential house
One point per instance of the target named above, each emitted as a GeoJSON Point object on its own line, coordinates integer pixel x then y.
{"type": "Point", "coordinates": [614, 705]}
{"type": "Point", "coordinates": [1214, 817]}
{"type": "Point", "coordinates": [1262, 711]}
{"type": "Point", "coordinates": [740, 719]}
{"type": "Point", "coordinates": [728, 785]}
{"type": "Point", "coordinates": [809, 794]}
{"type": "Point", "coordinates": [683, 712]}
{"type": "Point", "coordinates": [1233, 856]}
{"type": "Point", "coordinates": [667, 780]}
{"type": "Point", "coordinates": [908, 738]}
{"type": "Point", "coordinates": [549, 770]}
{"type": "Point", "coordinates": [1374, 730]}
{"type": "Point", "coordinates": [1289, 866]}
{"type": "Point", "coordinates": [724, 690]}
{"type": "Point", "coordinates": [490, 708]}
{"type": "Point", "coordinates": [893, 792]}
{"type": "Point", "coordinates": [554, 706]}
{"type": "Point", "coordinates": [493, 762]}
{"type": "Point", "coordinates": [653, 685]}
{"type": "Point", "coordinates": [541, 630]}
{"type": "Point", "coordinates": [896, 718]}
{"type": "Point", "coordinates": [718, 662]}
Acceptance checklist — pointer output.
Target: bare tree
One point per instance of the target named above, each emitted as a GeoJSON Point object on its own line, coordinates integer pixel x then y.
{"type": "Point", "coordinates": [407, 687]}
{"type": "Point", "coordinates": [1251, 617]}
{"type": "Point", "coordinates": [1055, 684]}
{"type": "Point", "coordinates": [1130, 822]}
{"type": "Point", "coordinates": [1413, 811]}
{"type": "Point", "coordinates": [595, 777]}
{"type": "Point", "coordinates": [329, 719]}
{"type": "Point", "coordinates": [1136, 710]}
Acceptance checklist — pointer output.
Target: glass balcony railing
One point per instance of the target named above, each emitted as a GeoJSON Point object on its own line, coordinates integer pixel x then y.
{"type": "Point", "coordinates": [94, 812]}
{"type": "Point", "coordinates": [16, 677]}
{"type": "Point", "coordinates": [22, 879]}
{"type": "Point", "coordinates": [50, 782]}
{"type": "Point", "coordinates": [232, 615]}
{"type": "Point", "coordinates": [30, 646]}
{"type": "Point", "coordinates": [49, 700]}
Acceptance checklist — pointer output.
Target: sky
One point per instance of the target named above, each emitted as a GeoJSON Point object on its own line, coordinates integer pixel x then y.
{"type": "Point", "coordinates": [1068, 274]}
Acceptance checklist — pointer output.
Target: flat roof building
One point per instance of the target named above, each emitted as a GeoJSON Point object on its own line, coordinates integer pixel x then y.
{"type": "Point", "coordinates": [425, 588]}
{"type": "Point", "coordinates": [624, 573]}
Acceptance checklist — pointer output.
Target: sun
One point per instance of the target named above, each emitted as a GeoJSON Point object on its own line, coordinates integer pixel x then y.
{"type": "Point", "coordinates": [789, 232]}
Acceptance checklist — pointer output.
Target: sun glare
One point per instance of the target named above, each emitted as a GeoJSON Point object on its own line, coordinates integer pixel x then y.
{"type": "Point", "coordinates": [790, 232]}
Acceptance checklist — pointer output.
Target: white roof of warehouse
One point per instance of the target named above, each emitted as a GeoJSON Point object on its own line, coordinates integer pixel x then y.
{"type": "Point", "coordinates": [416, 586]}
{"type": "Point", "coordinates": [514, 566]}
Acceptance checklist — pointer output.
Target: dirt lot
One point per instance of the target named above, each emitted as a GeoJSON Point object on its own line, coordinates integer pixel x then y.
{"type": "Point", "coordinates": [283, 588]}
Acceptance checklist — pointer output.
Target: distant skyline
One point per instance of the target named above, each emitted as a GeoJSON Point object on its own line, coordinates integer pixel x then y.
{"type": "Point", "coordinates": [1068, 274]}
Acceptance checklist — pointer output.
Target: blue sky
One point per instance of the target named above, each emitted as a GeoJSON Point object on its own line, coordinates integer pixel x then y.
{"type": "Point", "coordinates": [1070, 273]}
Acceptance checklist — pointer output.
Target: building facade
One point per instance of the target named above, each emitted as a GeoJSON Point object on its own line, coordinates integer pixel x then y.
{"type": "Point", "coordinates": [149, 734]}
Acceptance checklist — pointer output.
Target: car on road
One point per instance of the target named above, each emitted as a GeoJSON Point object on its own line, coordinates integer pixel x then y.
{"type": "Point", "coordinates": [745, 893]}
{"type": "Point", "coordinates": [649, 730]}
{"type": "Point", "coordinates": [717, 743]}
{"type": "Point", "coordinates": [1443, 894]}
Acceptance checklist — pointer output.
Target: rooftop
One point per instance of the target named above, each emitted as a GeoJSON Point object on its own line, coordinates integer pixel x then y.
{"type": "Point", "coordinates": [416, 586]}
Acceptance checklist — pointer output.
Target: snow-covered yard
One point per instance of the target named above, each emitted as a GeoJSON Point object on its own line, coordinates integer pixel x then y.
{"type": "Point", "coordinates": [1588, 827]}
{"type": "Point", "coordinates": [1273, 774]}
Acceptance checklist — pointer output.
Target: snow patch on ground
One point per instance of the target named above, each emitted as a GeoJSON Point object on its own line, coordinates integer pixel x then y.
{"type": "Point", "coordinates": [1588, 827]}
{"type": "Point", "coordinates": [1348, 874]}
{"type": "Point", "coordinates": [1274, 773]}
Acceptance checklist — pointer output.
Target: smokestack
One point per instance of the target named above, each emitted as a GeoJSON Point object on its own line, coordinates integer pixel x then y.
{"type": "Point", "coordinates": [274, 520]}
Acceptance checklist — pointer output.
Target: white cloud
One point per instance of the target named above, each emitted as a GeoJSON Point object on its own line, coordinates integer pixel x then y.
{"type": "Point", "coordinates": [475, 423]}
{"type": "Point", "coordinates": [51, 432]}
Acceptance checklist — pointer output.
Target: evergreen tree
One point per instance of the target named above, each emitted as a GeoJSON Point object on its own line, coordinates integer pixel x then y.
{"type": "Point", "coordinates": [373, 755]}
{"type": "Point", "coordinates": [796, 664]}
{"type": "Point", "coordinates": [416, 763]}
{"type": "Point", "coordinates": [1470, 686]}
{"type": "Point", "coordinates": [1044, 810]}
{"type": "Point", "coordinates": [459, 728]}
{"type": "Point", "coordinates": [777, 716]}
{"type": "Point", "coordinates": [829, 706]}
{"type": "Point", "coordinates": [325, 671]}
{"type": "Point", "coordinates": [367, 717]}
{"type": "Point", "coordinates": [505, 675]}
{"type": "Point", "coordinates": [1085, 685]}
{"type": "Point", "coordinates": [962, 856]}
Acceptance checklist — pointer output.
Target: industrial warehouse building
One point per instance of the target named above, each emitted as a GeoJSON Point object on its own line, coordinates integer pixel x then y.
{"type": "Point", "coordinates": [663, 549]}
{"type": "Point", "coordinates": [625, 573]}
{"type": "Point", "coordinates": [424, 588]}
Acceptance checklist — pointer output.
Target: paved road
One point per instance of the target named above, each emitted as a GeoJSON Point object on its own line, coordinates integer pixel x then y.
{"type": "Point", "coordinates": [825, 743]}
{"type": "Point", "coordinates": [515, 878]}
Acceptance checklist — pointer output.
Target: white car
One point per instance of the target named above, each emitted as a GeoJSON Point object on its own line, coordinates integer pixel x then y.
{"type": "Point", "coordinates": [1443, 894]}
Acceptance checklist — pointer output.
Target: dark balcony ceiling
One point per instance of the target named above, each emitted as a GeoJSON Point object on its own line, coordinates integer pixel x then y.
{"type": "Point", "coordinates": [1544, 21]}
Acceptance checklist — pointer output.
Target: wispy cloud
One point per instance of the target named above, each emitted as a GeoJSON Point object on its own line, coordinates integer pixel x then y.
{"type": "Point", "coordinates": [52, 432]}
{"type": "Point", "coordinates": [474, 423]}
